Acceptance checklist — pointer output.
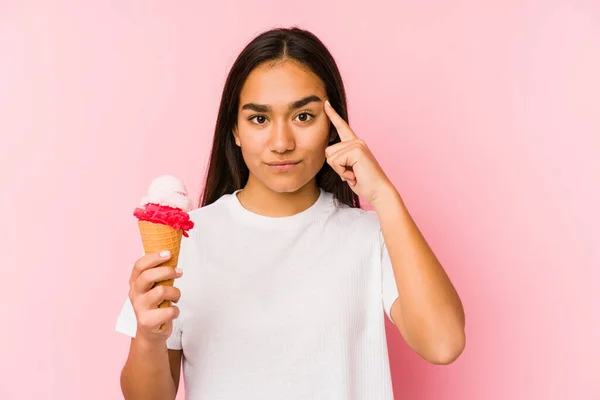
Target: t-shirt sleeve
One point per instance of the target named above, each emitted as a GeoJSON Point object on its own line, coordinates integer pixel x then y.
{"type": "Point", "coordinates": [126, 321]}
{"type": "Point", "coordinates": [389, 289]}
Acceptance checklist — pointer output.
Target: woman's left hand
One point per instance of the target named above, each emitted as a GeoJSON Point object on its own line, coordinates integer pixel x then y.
{"type": "Point", "coordinates": [354, 162]}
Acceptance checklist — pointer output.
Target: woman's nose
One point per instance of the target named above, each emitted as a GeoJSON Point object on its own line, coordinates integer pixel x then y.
{"type": "Point", "coordinates": [282, 138]}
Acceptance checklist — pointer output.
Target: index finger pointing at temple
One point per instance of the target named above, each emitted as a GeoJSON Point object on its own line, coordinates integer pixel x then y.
{"type": "Point", "coordinates": [341, 126]}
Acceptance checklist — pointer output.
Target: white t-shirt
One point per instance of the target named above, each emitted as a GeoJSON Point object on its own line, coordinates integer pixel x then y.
{"type": "Point", "coordinates": [282, 308]}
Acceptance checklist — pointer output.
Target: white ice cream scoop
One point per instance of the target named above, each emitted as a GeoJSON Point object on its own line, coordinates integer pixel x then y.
{"type": "Point", "coordinates": [167, 190]}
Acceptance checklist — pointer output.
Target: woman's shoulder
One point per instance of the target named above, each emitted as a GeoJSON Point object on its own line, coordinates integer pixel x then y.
{"type": "Point", "coordinates": [215, 210]}
{"type": "Point", "coordinates": [207, 219]}
{"type": "Point", "coordinates": [360, 217]}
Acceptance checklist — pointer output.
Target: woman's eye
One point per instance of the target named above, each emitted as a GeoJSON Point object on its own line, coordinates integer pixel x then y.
{"type": "Point", "coordinates": [259, 119]}
{"type": "Point", "coordinates": [303, 117]}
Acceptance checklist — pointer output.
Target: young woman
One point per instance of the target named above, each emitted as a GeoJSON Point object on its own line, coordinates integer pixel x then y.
{"type": "Point", "coordinates": [286, 281]}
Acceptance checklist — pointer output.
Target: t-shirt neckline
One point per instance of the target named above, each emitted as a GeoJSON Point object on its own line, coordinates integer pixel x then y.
{"type": "Point", "coordinates": [310, 214]}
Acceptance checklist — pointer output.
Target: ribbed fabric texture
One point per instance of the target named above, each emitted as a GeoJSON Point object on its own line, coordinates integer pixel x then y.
{"type": "Point", "coordinates": [282, 308]}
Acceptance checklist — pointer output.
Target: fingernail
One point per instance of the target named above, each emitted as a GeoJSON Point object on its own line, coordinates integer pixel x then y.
{"type": "Point", "coordinates": [344, 179]}
{"type": "Point", "coordinates": [165, 253]}
{"type": "Point", "coordinates": [327, 102]}
{"type": "Point", "coordinates": [178, 271]}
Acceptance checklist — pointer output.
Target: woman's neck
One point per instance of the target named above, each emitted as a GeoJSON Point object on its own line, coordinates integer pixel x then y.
{"type": "Point", "coordinates": [259, 199]}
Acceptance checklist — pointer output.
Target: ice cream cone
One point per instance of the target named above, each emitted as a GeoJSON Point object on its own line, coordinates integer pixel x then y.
{"type": "Point", "coordinates": [159, 237]}
{"type": "Point", "coordinates": [163, 219]}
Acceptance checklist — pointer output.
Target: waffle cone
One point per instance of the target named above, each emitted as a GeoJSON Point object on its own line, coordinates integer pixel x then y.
{"type": "Point", "coordinates": [159, 237]}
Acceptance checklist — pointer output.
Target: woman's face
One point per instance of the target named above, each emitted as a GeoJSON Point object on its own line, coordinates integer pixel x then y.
{"type": "Point", "coordinates": [282, 128]}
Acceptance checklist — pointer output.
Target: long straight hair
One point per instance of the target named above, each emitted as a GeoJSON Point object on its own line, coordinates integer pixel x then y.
{"type": "Point", "coordinates": [227, 171]}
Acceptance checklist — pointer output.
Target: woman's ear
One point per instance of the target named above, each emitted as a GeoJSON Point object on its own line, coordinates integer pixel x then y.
{"type": "Point", "coordinates": [236, 136]}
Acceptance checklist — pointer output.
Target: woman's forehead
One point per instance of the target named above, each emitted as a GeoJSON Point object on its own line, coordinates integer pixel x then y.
{"type": "Point", "coordinates": [280, 84]}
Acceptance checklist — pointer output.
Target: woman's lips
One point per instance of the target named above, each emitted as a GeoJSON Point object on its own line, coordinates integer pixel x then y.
{"type": "Point", "coordinates": [283, 165]}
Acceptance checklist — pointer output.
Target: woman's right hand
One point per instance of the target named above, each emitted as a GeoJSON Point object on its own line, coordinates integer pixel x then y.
{"type": "Point", "coordinates": [145, 296]}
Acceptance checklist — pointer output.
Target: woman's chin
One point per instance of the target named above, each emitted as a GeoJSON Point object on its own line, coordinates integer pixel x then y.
{"type": "Point", "coordinates": [287, 185]}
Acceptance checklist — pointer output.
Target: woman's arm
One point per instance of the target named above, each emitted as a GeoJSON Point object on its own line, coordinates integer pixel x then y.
{"type": "Point", "coordinates": [428, 312]}
{"type": "Point", "coordinates": [151, 371]}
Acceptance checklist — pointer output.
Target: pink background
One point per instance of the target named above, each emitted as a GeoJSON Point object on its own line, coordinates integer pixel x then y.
{"type": "Point", "coordinates": [486, 117]}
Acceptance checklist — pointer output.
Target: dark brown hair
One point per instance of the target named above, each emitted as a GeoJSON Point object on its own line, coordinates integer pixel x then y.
{"type": "Point", "coordinates": [227, 170]}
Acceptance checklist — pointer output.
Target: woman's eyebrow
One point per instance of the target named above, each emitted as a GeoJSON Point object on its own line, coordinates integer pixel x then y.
{"type": "Point", "coordinates": [256, 107]}
{"type": "Point", "coordinates": [302, 102]}
{"type": "Point", "coordinates": [292, 106]}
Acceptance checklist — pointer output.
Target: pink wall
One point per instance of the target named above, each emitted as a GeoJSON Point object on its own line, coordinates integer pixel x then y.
{"type": "Point", "coordinates": [487, 119]}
